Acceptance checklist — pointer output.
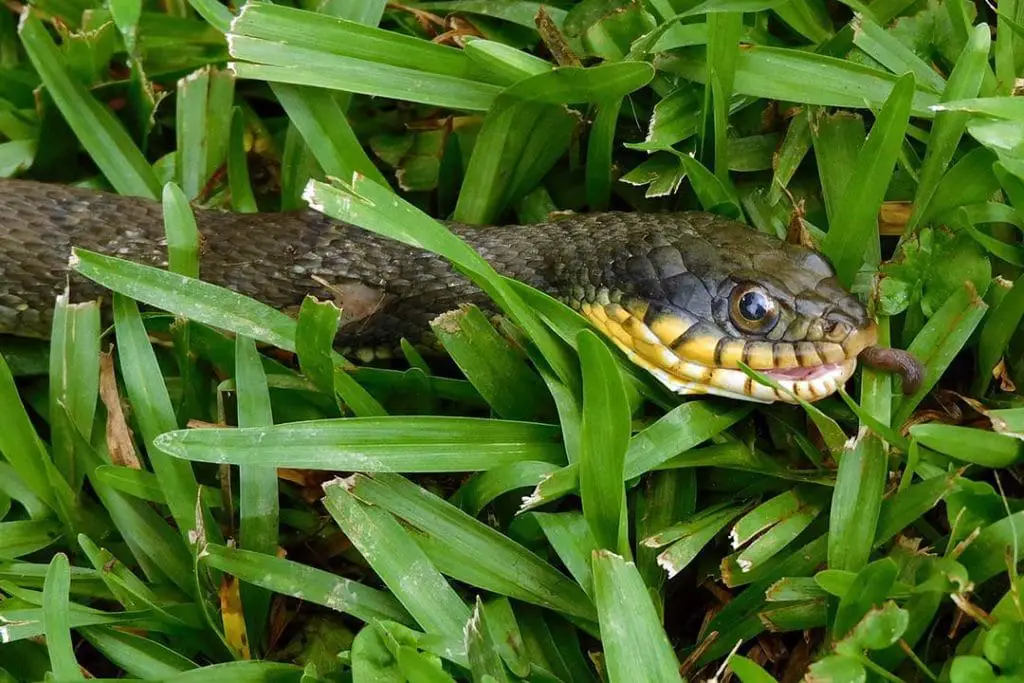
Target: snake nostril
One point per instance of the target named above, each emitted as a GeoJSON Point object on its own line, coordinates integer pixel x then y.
{"type": "Point", "coordinates": [837, 330]}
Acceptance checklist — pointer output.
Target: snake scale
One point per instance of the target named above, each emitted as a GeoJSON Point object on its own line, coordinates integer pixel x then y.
{"type": "Point", "coordinates": [688, 296]}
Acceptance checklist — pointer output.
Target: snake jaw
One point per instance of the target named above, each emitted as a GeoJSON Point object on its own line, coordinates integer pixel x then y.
{"type": "Point", "coordinates": [688, 376]}
{"type": "Point", "coordinates": [823, 381]}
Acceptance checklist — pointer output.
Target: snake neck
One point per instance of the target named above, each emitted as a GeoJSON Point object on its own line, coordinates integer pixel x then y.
{"type": "Point", "coordinates": [390, 290]}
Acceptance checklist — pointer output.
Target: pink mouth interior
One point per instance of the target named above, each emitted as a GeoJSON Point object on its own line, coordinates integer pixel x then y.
{"type": "Point", "coordinates": [801, 374]}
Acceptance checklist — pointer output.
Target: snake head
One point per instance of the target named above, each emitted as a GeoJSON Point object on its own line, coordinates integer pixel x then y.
{"type": "Point", "coordinates": [692, 308]}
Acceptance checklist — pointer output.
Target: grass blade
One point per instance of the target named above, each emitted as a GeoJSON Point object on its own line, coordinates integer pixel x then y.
{"type": "Point", "coordinates": [56, 620]}
{"type": "Point", "coordinates": [855, 223]}
{"type": "Point", "coordinates": [987, 554]}
{"type": "Point", "coordinates": [182, 232]}
{"type": "Point", "coordinates": [939, 341]}
{"type": "Point", "coordinates": [686, 539]}
{"type": "Point", "coordinates": [528, 129]}
{"type": "Point", "coordinates": [498, 371]}
{"type": "Point", "coordinates": [203, 118]}
{"type": "Point", "coordinates": [600, 146]}
{"type": "Point", "coordinates": [838, 139]}
{"type": "Point", "coordinates": [320, 118]}
{"type": "Point", "coordinates": [295, 27]}
{"type": "Point", "coordinates": [681, 429]}
{"type": "Point", "coordinates": [856, 501]}
{"type": "Point", "coordinates": [510, 125]}
{"type": "Point", "coordinates": [74, 380]}
{"type": "Point", "coordinates": [258, 504]}
{"type": "Point", "coordinates": [948, 127]}
{"type": "Point", "coordinates": [214, 12]}
{"type": "Point", "coordinates": [997, 332]}
{"type": "Point", "coordinates": [242, 198]}
{"type": "Point", "coordinates": [159, 550]}
{"type": "Point", "coordinates": [724, 32]}
{"type": "Point", "coordinates": [372, 444]}
{"type": "Point", "coordinates": [604, 440]}
{"type": "Point", "coordinates": [277, 62]}
{"type": "Point", "coordinates": [791, 152]}
{"type": "Point", "coordinates": [26, 537]}
{"type": "Point", "coordinates": [189, 298]}
{"type": "Point", "coordinates": [307, 583]}
{"type": "Point", "coordinates": [870, 588]}
{"type": "Point", "coordinates": [102, 135]}
{"type": "Point", "coordinates": [635, 645]}
{"type": "Point", "coordinates": [569, 535]}
{"type": "Point", "coordinates": [398, 560]}
{"type": "Point", "coordinates": [154, 412]}
{"type": "Point", "coordinates": [484, 660]}
{"type": "Point", "coordinates": [798, 76]}
{"type": "Point", "coordinates": [315, 331]}
{"type": "Point", "coordinates": [20, 444]}
{"type": "Point", "coordinates": [988, 449]}
{"type": "Point", "coordinates": [471, 551]}
{"type": "Point", "coordinates": [893, 54]}
{"type": "Point", "coordinates": [138, 656]}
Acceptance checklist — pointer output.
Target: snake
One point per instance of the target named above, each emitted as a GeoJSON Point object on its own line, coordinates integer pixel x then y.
{"type": "Point", "coordinates": [691, 297]}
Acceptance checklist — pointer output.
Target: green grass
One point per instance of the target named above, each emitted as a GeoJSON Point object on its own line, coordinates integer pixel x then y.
{"type": "Point", "coordinates": [539, 510]}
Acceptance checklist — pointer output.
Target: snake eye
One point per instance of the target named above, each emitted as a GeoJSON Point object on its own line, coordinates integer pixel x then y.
{"type": "Point", "coordinates": [752, 309]}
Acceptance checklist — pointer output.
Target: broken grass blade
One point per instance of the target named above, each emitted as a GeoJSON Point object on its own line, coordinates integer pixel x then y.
{"type": "Point", "coordinates": [492, 364]}
{"type": "Point", "coordinates": [484, 660]}
{"type": "Point", "coordinates": [688, 538]}
{"type": "Point", "coordinates": [471, 551]}
{"type": "Point", "coordinates": [102, 135]}
{"type": "Point", "coordinates": [398, 561]}
{"type": "Point", "coordinates": [856, 501]}
{"type": "Point", "coordinates": [483, 488]}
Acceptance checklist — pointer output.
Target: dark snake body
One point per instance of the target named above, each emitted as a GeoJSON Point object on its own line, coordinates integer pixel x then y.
{"type": "Point", "coordinates": [680, 264]}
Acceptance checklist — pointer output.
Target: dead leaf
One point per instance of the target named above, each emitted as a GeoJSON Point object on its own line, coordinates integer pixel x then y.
{"type": "Point", "coordinates": [796, 231]}
{"type": "Point", "coordinates": [459, 29]}
{"type": "Point", "coordinates": [232, 616]}
{"type": "Point", "coordinates": [426, 20]}
{"type": "Point", "coordinates": [893, 217]}
{"type": "Point", "coordinates": [310, 481]}
{"type": "Point", "coordinates": [280, 618]}
{"type": "Point", "coordinates": [553, 39]}
{"type": "Point", "coordinates": [119, 434]}
{"type": "Point", "coordinates": [1001, 373]}
{"type": "Point", "coordinates": [200, 424]}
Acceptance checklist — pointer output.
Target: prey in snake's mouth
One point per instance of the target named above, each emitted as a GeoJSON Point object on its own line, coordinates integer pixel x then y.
{"type": "Point", "coordinates": [774, 307]}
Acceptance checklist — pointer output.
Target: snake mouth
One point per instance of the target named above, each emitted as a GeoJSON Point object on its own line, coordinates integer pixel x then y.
{"type": "Point", "coordinates": [690, 374]}
{"type": "Point", "coordinates": [811, 383]}
{"type": "Point", "coordinates": [808, 384]}
{"type": "Point", "coordinates": [802, 374]}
